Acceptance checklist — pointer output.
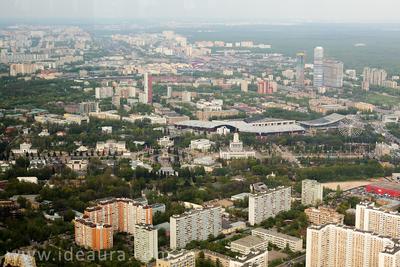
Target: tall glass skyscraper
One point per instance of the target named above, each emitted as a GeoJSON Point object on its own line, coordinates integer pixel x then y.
{"type": "Point", "coordinates": [301, 58]}
{"type": "Point", "coordinates": [318, 66]}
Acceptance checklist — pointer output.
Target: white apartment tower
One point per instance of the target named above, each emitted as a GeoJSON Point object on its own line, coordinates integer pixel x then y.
{"type": "Point", "coordinates": [338, 246]}
{"type": "Point", "coordinates": [197, 224]}
{"type": "Point", "coordinates": [318, 66]}
{"type": "Point", "coordinates": [244, 86]}
{"type": "Point", "coordinates": [145, 243]}
{"type": "Point", "coordinates": [267, 204]}
{"type": "Point", "coordinates": [369, 218]}
{"type": "Point", "coordinates": [311, 192]}
{"type": "Point", "coordinates": [169, 92]}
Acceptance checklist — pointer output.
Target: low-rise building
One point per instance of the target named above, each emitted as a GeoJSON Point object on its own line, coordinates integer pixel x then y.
{"type": "Point", "coordinates": [111, 146]}
{"type": "Point", "coordinates": [24, 149]}
{"type": "Point", "coordinates": [279, 239]}
{"type": "Point", "coordinates": [182, 258]}
{"type": "Point", "coordinates": [78, 165]}
{"type": "Point", "coordinates": [19, 260]}
{"type": "Point", "coordinates": [253, 259]}
{"type": "Point", "coordinates": [201, 144]}
{"type": "Point", "coordinates": [246, 244]}
{"type": "Point", "coordinates": [165, 141]}
{"type": "Point", "coordinates": [28, 179]}
{"type": "Point", "coordinates": [323, 215]}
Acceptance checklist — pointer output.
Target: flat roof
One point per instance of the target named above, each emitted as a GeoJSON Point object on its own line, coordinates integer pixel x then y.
{"type": "Point", "coordinates": [249, 241]}
{"type": "Point", "coordinates": [277, 234]}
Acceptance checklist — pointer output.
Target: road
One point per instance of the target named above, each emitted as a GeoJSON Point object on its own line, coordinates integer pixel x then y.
{"type": "Point", "coordinates": [299, 259]}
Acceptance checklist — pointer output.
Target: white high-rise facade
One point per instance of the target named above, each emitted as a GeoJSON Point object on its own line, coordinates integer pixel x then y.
{"type": "Point", "coordinates": [311, 192]}
{"type": "Point", "coordinates": [196, 224]}
{"type": "Point", "coordinates": [369, 218]}
{"type": "Point", "coordinates": [268, 204]}
{"type": "Point", "coordinates": [145, 243]}
{"type": "Point", "coordinates": [338, 246]}
{"type": "Point", "coordinates": [318, 66]}
{"type": "Point", "coordinates": [374, 76]}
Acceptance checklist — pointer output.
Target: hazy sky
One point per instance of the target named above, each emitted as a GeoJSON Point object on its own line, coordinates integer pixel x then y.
{"type": "Point", "coordinates": [268, 10]}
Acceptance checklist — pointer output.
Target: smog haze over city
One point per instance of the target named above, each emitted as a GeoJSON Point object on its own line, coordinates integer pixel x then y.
{"type": "Point", "coordinates": [213, 133]}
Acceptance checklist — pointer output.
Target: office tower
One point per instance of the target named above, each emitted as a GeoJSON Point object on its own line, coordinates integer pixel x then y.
{"type": "Point", "coordinates": [148, 88]}
{"type": "Point", "coordinates": [318, 66]}
{"type": "Point", "coordinates": [269, 203]}
{"type": "Point", "coordinates": [311, 192]}
{"type": "Point", "coordinates": [93, 235]}
{"type": "Point", "coordinates": [333, 73]}
{"type": "Point", "coordinates": [338, 246]}
{"type": "Point", "coordinates": [244, 86]}
{"type": "Point", "coordinates": [197, 224]}
{"type": "Point", "coordinates": [374, 76]}
{"type": "Point", "coordinates": [169, 92]}
{"type": "Point", "coordinates": [301, 59]}
{"type": "Point", "coordinates": [370, 218]}
{"type": "Point", "coordinates": [145, 243]}
{"type": "Point", "coordinates": [181, 258]}
{"type": "Point", "coordinates": [267, 87]}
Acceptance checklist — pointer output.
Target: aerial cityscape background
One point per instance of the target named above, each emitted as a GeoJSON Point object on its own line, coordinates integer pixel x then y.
{"type": "Point", "coordinates": [187, 133]}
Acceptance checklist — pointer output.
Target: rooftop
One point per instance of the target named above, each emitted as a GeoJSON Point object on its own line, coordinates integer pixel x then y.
{"type": "Point", "coordinates": [241, 126]}
{"type": "Point", "coordinates": [324, 121]}
{"type": "Point", "coordinates": [248, 241]}
{"type": "Point", "coordinates": [277, 234]}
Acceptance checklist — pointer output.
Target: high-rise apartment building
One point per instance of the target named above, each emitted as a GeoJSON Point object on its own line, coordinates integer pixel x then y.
{"type": "Point", "coordinates": [104, 92]}
{"type": "Point", "coordinates": [122, 213]}
{"type": "Point", "coordinates": [244, 86]}
{"type": "Point", "coordinates": [301, 59]}
{"type": "Point", "coordinates": [374, 76]}
{"type": "Point", "coordinates": [181, 258]}
{"type": "Point", "coordinates": [338, 246]}
{"type": "Point", "coordinates": [370, 218]}
{"type": "Point", "coordinates": [197, 224]}
{"type": "Point", "coordinates": [169, 92]}
{"type": "Point", "coordinates": [333, 73]}
{"type": "Point", "coordinates": [267, 87]}
{"type": "Point", "coordinates": [148, 88]}
{"type": "Point", "coordinates": [145, 243]}
{"type": "Point", "coordinates": [318, 66]}
{"type": "Point", "coordinates": [24, 68]}
{"type": "Point", "coordinates": [88, 107]}
{"type": "Point", "coordinates": [269, 203]}
{"type": "Point", "coordinates": [108, 216]}
{"type": "Point", "coordinates": [311, 192]}
{"type": "Point", "coordinates": [95, 236]}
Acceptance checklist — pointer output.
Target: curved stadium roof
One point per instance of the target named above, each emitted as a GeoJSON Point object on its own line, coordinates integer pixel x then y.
{"type": "Point", "coordinates": [324, 121]}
